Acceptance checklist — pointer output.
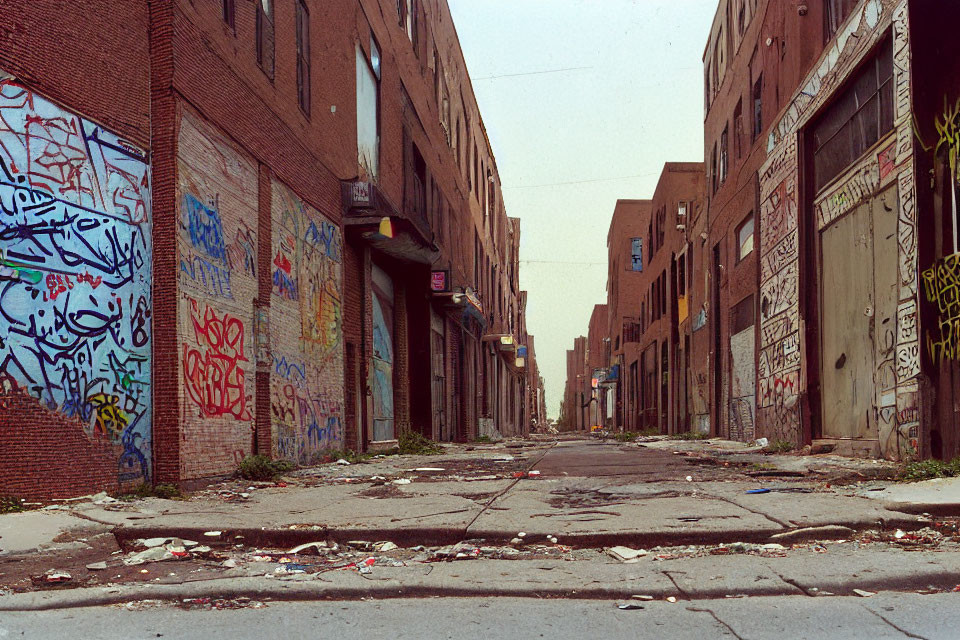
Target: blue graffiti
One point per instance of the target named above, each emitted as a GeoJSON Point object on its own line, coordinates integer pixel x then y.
{"type": "Point", "coordinates": [75, 261]}
{"type": "Point", "coordinates": [284, 286]}
{"type": "Point", "coordinates": [326, 235]}
{"type": "Point", "coordinates": [205, 228]}
{"type": "Point", "coordinates": [213, 279]}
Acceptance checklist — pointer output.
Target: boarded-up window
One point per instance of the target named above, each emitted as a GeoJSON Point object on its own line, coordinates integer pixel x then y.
{"type": "Point", "coordinates": [368, 113]}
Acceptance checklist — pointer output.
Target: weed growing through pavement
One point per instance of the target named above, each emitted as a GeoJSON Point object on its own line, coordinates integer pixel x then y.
{"type": "Point", "coordinates": [414, 443]}
{"type": "Point", "coordinates": [691, 435]}
{"type": "Point", "coordinates": [260, 467]}
{"type": "Point", "coordinates": [9, 504]}
{"type": "Point", "coordinates": [779, 446]}
{"type": "Point", "coordinates": [929, 469]}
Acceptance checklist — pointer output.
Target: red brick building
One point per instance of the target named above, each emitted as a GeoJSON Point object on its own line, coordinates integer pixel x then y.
{"type": "Point", "coordinates": [597, 369]}
{"type": "Point", "coordinates": [577, 391]}
{"type": "Point", "coordinates": [279, 229]}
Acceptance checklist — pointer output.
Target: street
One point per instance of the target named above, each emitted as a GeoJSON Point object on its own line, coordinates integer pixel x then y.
{"type": "Point", "coordinates": [883, 617]}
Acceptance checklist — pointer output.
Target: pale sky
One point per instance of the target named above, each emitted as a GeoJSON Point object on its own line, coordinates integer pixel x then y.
{"type": "Point", "coordinates": [637, 104]}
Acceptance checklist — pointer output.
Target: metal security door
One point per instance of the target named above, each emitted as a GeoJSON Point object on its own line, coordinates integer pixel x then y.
{"type": "Point", "coordinates": [382, 370]}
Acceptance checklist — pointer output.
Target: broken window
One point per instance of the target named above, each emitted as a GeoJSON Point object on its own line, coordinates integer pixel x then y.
{"type": "Point", "coordinates": [745, 238]}
{"type": "Point", "coordinates": [265, 37]}
{"type": "Point", "coordinates": [368, 110]}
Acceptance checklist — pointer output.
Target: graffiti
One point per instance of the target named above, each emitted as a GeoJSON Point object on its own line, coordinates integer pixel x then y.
{"type": "Point", "coordinates": [306, 328]}
{"type": "Point", "coordinates": [854, 188]}
{"type": "Point", "coordinates": [210, 278]}
{"type": "Point", "coordinates": [741, 418]}
{"type": "Point", "coordinates": [74, 266]}
{"type": "Point", "coordinates": [886, 162]}
{"type": "Point", "coordinates": [779, 293]}
{"type": "Point", "coordinates": [218, 344]}
{"type": "Point", "coordinates": [212, 375]}
{"type": "Point", "coordinates": [941, 286]}
{"type": "Point", "coordinates": [901, 63]}
{"type": "Point", "coordinates": [205, 228]}
{"type": "Point", "coordinates": [779, 209]}
{"type": "Point", "coordinates": [242, 254]}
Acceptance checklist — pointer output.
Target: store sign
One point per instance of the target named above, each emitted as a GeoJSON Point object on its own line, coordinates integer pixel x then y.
{"type": "Point", "coordinates": [361, 194]}
{"type": "Point", "coordinates": [440, 281]}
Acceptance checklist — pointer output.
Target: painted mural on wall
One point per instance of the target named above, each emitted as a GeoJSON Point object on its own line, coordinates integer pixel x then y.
{"type": "Point", "coordinates": [781, 375]}
{"type": "Point", "coordinates": [75, 272]}
{"type": "Point", "coordinates": [217, 256]}
{"type": "Point", "coordinates": [306, 329]}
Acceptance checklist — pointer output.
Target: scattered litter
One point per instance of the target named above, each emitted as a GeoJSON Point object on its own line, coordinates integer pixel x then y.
{"type": "Point", "coordinates": [384, 546]}
{"type": "Point", "coordinates": [521, 535]}
{"type": "Point", "coordinates": [644, 598]}
{"type": "Point", "coordinates": [630, 606]}
{"type": "Point", "coordinates": [342, 462]}
{"type": "Point", "coordinates": [552, 540]}
{"type": "Point", "coordinates": [761, 442]}
{"type": "Point", "coordinates": [626, 554]}
{"type": "Point", "coordinates": [671, 599]}
{"type": "Point", "coordinates": [213, 534]}
{"type": "Point", "coordinates": [759, 491]}
{"type": "Point", "coordinates": [428, 469]}
{"type": "Point", "coordinates": [97, 566]}
{"type": "Point", "coordinates": [864, 594]}
{"type": "Point", "coordinates": [899, 534]}
{"type": "Point", "coordinates": [154, 554]}
{"type": "Point", "coordinates": [155, 542]}
{"type": "Point", "coordinates": [230, 563]}
{"type": "Point", "coordinates": [533, 473]}
{"type": "Point", "coordinates": [53, 575]}
{"type": "Point", "coordinates": [689, 478]}
{"type": "Point", "coordinates": [516, 541]}
{"type": "Point", "coordinates": [402, 481]}
{"type": "Point", "coordinates": [314, 548]}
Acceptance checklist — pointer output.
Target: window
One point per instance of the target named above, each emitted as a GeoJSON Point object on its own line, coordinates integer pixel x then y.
{"type": "Point", "coordinates": [745, 238]}
{"type": "Point", "coordinates": [409, 19]}
{"type": "Point", "coordinates": [757, 107]}
{"type": "Point", "coordinates": [742, 315]}
{"type": "Point", "coordinates": [741, 17]}
{"type": "Point", "coordinates": [636, 254]}
{"type": "Point", "coordinates": [491, 193]}
{"type": "Point", "coordinates": [858, 118]}
{"type": "Point", "coordinates": [738, 128]}
{"type": "Point", "coordinates": [230, 13]}
{"type": "Point", "coordinates": [445, 110]}
{"type": "Point", "coordinates": [368, 110]}
{"type": "Point", "coordinates": [418, 182]}
{"type": "Point", "coordinates": [265, 36]}
{"type": "Point", "coordinates": [682, 275]}
{"type": "Point", "coordinates": [303, 56]}
{"type": "Point", "coordinates": [835, 12]}
{"type": "Point", "coordinates": [723, 154]}
{"type": "Point", "coordinates": [713, 168]}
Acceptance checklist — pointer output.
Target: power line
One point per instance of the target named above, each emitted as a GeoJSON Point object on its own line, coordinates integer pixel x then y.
{"type": "Point", "coordinates": [532, 73]}
{"type": "Point", "coordinates": [560, 184]}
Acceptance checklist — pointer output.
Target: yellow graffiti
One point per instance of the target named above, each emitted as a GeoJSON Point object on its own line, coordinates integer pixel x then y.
{"type": "Point", "coordinates": [941, 285]}
{"type": "Point", "coordinates": [109, 420]}
{"type": "Point", "coordinates": [947, 126]}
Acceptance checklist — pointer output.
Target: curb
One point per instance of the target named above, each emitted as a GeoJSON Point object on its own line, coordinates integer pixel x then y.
{"type": "Point", "coordinates": [443, 536]}
{"type": "Point", "coordinates": [290, 591]}
{"type": "Point", "coordinates": [938, 509]}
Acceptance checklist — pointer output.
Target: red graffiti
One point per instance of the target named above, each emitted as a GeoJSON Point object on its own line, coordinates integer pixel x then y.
{"type": "Point", "coordinates": [93, 282]}
{"type": "Point", "coordinates": [283, 263]}
{"type": "Point", "coordinates": [211, 372]}
{"type": "Point", "coordinates": [57, 284]}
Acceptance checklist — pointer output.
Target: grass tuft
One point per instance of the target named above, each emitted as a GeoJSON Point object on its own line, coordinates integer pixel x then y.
{"type": "Point", "coordinates": [413, 443]}
{"type": "Point", "coordinates": [929, 469]}
{"type": "Point", "coordinates": [690, 435]}
{"type": "Point", "coordinates": [779, 446]}
{"type": "Point", "coordinates": [260, 467]}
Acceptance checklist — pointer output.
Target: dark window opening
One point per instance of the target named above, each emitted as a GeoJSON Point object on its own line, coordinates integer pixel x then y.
{"type": "Point", "coordinates": [758, 107]}
{"type": "Point", "coordinates": [418, 200]}
{"type": "Point", "coordinates": [303, 56]}
{"type": "Point", "coordinates": [835, 12]}
{"type": "Point", "coordinates": [741, 316]}
{"type": "Point", "coordinates": [738, 129]}
{"type": "Point", "coordinates": [230, 13]}
{"type": "Point", "coordinates": [857, 120]}
{"type": "Point", "coordinates": [265, 37]}
{"type": "Point", "coordinates": [724, 154]}
{"type": "Point", "coordinates": [745, 238]}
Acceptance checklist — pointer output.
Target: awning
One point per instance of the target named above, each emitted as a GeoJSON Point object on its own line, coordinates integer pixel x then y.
{"type": "Point", "coordinates": [371, 216]}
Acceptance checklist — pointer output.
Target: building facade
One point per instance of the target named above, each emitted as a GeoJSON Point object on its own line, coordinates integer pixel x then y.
{"type": "Point", "coordinates": [270, 227]}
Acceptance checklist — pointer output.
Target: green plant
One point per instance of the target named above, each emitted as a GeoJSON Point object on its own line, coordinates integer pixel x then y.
{"type": "Point", "coordinates": [260, 467]}
{"type": "Point", "coordinates": [9, 504]}
{"type": "Point", "coordinates": [147, 490]}
{"type": "Point", "coordinates": [626, 436]}
{"type": "Point", "coordinates": [779, 446]}
{"type": "Point", "coordinates": [650, 431]}
{"type": "Point", "coordinates": [483, 439]}
{"type": "Point", "coordinates": [929, 469]}
{"type": "Point", "coordinates": [691, 435]}
{"type": "Point", "coordinates": [414, 443]}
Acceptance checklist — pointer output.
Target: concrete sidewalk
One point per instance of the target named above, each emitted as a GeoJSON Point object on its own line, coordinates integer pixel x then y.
{"type": "Point", "coordinates": [444, 499]}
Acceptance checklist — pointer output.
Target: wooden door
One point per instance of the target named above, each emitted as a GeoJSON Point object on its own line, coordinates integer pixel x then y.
{"type": "Point", "coordinates": [847, 321]}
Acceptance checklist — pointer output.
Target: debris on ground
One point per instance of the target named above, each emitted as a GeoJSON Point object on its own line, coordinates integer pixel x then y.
{"type": "Point", "coordinates": [626, 554]}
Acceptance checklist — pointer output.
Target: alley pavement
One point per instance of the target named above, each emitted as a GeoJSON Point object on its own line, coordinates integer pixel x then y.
{"type": "Point", "coordinates": [560, 517]}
